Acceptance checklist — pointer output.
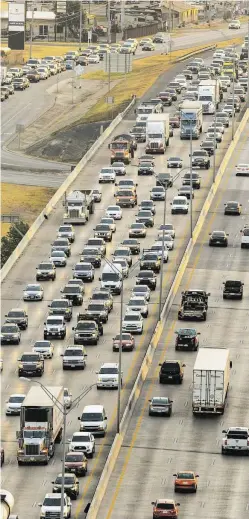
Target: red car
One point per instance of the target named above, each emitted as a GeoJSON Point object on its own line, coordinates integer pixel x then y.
{"type": "Point", "coordinates": [128, 342]}
{"type": "Point", "coordinates": [165, 508]}
{"type": "Point", "coordinates": [174, 121]}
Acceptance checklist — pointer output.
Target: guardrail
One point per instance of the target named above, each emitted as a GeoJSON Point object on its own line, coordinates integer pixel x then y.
{"type": "Point", "coordinates": [60, 192]}
{"type": "Point", "coordinates": [118, 440]}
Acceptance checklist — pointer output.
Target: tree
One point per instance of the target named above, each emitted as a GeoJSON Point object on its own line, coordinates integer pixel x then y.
{"type": "Point", "coordinates": [71, 19]}
{"type": "Point", "coordinates": [11, 240]}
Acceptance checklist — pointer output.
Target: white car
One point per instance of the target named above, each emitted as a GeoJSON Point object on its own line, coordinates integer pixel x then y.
{"type": "Point", "coordinates": [58, 258]}
{"type": "Point", "coordinates": [107, 175]}
{"type": "Point", "coordinates": [123, 264]}
{"type": "Point", "coordinates": [13, 405]}
{"type": "Point", "coordinates": [114, 211]}
{"type": "Point", "coordinates": [138, 304]}
{"type": "Point", "coordinates": [43, 72]}
{"type": "Point", "coordinates": [242, 170]}
{"type": "Point", "coordinates": [33, 292]}
{"type": "Point", "coordinates": [109, 221]}
{"type": "Point", "coordinates": [46, 348]}
{"type": "Point", "coordinates": [141, 291]}
{"type": "Point", "coordinates": [51, 506]}
{"type": "Point", "coordinates": [211, 133]}
{"type": "Point", "coordinates": [219, 127]}
{"type": "Point", "coordinates": [158, 247]}
{"type": "Point", "coordinates": [108, 376]}
{"type": "Point", "coordinates": [66, 231]}
{"type": "Point", "coordinates": [84, 442]}
{"type": "Point", "coordinates": [234, 24]}
{"type": "Point", "coordinates": [133, 323]}
{"type": "Point", "coordinates": [67, 396]}
{"type": "Point", "coordinates": [93, 58]}
{"type": "Point", "coordinates": [168, 241]}
{"type": "Point", "coordinates": [168, 229]}
{"type": "Point", "coordinates": [182, 81]}
{"type": "Point", "coordinates": [119, 168]}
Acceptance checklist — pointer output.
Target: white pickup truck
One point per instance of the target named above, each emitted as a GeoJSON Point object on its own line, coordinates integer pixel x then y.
{"type": "Point", "coordinates": [236, 439]}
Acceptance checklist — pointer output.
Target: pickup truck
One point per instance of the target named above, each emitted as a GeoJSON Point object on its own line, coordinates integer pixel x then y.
{"type": "Point", "coordinates": [235, 440]}
{"type": "Point", "coordinates": [233, 290]}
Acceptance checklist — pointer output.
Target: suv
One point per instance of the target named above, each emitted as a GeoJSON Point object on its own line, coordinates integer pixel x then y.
{"type": "Point", "coordinates": [83, 442]}
{"type": "Point", "coordinates": [66, 231]}
{"type": "Point", "coordinates": [108, 376]}
{"type": "Point", "coordinates": [92, 255]}
{"type": "Point", "coordinates": [10, 334]}
{"type": "Point", "coordinates": [164, 179]}
{"type": "Point", "coordinates": [74, 357]}
{"type": "Point", "coordinates": [61, 307]}
{"type": "Point", "coordinates": [71, 485]}
{"type": "Point", "coordinates": [76, 462]}
{"type": "Point", "coordinates": [84, 270]}
{"type": "Point", "coordinates": [98, 243]}
{"type": "Point", "coordinates": [51, 506]}
{"type": "Point", "coordinates": [171, 371]}
{"type": "Point", "coordinates": [150, 261]}
{"type": "Point", "coordinates": [147, 277]}
{"type": "Point", "coordinates": [73, 293]}
{"type": "Point", "coordinates": [196, 180]}
{"type": "Point", "coordinates": [200, 159]}
{"type": "Point", "coordinates": [19, 317]}
{"type": "Point", "coordinates": [31, 364]}
{"type": "Point", "coordinates": [86, 332]}
{"type": "Point", "coordinates": [46, 270]}
{"type": "Point", "coordinates": [187, 339]}
{"type": "Point", "coordinates": [55, 327]}
{"type": "Point", "coordinates": [103, 295]}
{"type": "Point", "coordinates": [87, 317]}
{"type": "Point", "coordinates": [62, 244]}
{"type": "Point", "coordinates": [233, 290]}
{"type": "Point", "coordinates": [98, 309]}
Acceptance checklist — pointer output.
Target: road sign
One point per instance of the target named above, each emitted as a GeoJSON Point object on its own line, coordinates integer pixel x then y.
{"type": "Point", "coordinates": [20, 128]}
{"type": "Point", "coordinates": [79, 69]}
{"type": "Point", "coordinates": [10, 218]}
{"type": "Point", "coordinates": [121, 63]}
{"type": "Point", "coordinates": [110, 100]}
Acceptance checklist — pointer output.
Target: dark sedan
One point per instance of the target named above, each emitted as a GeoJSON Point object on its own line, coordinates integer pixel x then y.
{"type": "Point", "coordinates": [232, 208]}
{"type": "Point", "coordinates": [187, 339]}
{"type": "Point", "coordinates": [218, 238]}
{"type": "Point", "coordinates": [160, 406]}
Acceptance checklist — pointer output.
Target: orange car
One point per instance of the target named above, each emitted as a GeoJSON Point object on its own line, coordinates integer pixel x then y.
{"type": "Point", "coordinates": [165, 508]}
{"type": "Point", "coordinates": [185, 481]}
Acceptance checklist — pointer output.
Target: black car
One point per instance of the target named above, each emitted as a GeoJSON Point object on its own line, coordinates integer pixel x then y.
{"type": "Point", "coordinates": [87, 317]}
{"type": "Point", "coordinates": [233, 289]}
{"type": "Point", "coordinates": [61, 307]}
{"type": "Point", "coordinates": [74, 293]}
{"type": "Point", "coordinates": [19, 317]}
{"type": "Point", "coordinates": [46, 270]}
{"type": "Point", "coordinates": [232, 208]}
{"type": "Point", "coordinates": [160, 406]}
{"type": "Point", "coordinates": [62, 244]}
{"type": "Point", "coordinates": [187, 339]}
{"type": "Point", "coordinates": [145, 217]}
{"type": "Point", "coordinates": [98, 309]}
{"type": "Point", "coordinates": [71, 485]}
{"type": "Point", "coordinates": [164, 179]}
{"type": "Point", "coordinates": [145, 168]}
{"type": "Point", "coordinates": [209, 146]}
{"type": "Point", "coordinates": [133, 245]}
{"type": "Point", "coordinates": [196, 180]}
{"type": "Point", "coordinates": [171, 371]}
{"type": "Point", "coordinates": [173, 93]}
{"type": "Point", "coordinates": [91, 255]}
{"type": "Point", "coordinates": [147, 277]}
{"type": "Point", "coordinates": [218, 238]}
{"type": "Point", "coordinates": [200, 159]}
{"type": "Point", "coordinates": [150, 261]}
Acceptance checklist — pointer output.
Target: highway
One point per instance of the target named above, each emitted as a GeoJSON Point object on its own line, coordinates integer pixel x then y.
{"type": "Point", "coordinates": [25, 107]}
{"type": "Point", "coordinates": [23, 272]}
{"type": "Point", "coordinates": [155, 448]}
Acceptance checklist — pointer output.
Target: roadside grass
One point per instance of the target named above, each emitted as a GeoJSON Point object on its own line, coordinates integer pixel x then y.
{"type": "Point", "coordinates": [43, 49]}
{"type": "Point", "coordinates": [26, 201]}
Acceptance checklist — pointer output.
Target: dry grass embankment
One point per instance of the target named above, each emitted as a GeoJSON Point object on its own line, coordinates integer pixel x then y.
{"type": "Point", "coordinates": [26, 201]}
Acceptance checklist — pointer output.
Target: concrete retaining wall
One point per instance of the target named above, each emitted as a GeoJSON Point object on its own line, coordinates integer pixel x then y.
{"type": "Point", "coordinates": [116, 446]}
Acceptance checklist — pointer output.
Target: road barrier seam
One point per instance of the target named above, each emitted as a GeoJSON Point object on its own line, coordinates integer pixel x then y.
{"type": "Point", "coordinates": [142, 374]}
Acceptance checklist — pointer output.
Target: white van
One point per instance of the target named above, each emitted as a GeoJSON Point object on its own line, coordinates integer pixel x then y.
{"type": "Point", "coordinates": [94, 420]}
{"type": "Point", "coordinates": [111, 278]}
{"type": "Point", "coordinates": [179, 205]}
{"type": "Point", "coordinates": [245, 237]}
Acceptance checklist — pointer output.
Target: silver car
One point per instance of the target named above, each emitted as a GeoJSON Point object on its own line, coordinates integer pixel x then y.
{"type": "Point", "coordinates": [141, 291]}
{"type": "Point", "coordinates": [46, 348]}
{"type": "Point", "coordinates": [13, 405]}
{"type": "Point", "coordinates": [59, 258]}
{"type": "Point", "coordinates": [138, 304]}
{"type": "Point", "coordinates": [33, 293]}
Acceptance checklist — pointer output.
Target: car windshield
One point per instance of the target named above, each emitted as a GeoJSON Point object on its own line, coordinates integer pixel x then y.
{"type": "Point", "coordinates": [33, 288]}
{"type": "Point", "coordinates": [185, 475]}
{"type": "Point", "coordinates": [58, 254]}
{"type": "Point", "coordinates": [73, 353]}
{"type": "Point", "coordinates": [45, 266]}
{"type": "Point", "coordinates": [146, 214]}
{"type": "Point", "coordinates": [165, 506]}
{"type": "Point", "coordinates": [158, 189]}
{"type": "Point", "coordinates": [171, 366]}
{"type": "Point", "coordinates": [91, 417]}
{"type": "Point", "coordinates": [233, 205]}
{"type": "Point", "coordinates": [53, 322]}
{"type": "Point", "coordinates": [218, 234]}
{"type": "Point", "coordinates": [187, 331]}
{"type": "Point", "coordinates": [113, 208]}
{"type": "Point", "coordinates": [52, 501]}
{"type": "Point", "coordinates": [16, 399]}
{"type": "Point", "coordinates": [68, 480]}
{"type": "Point", "coordinates": [143, 275]}
{"type": "Point", "coordinates": [96, 307]}
{"type": "Point", "coordinates": [59, 304]}
{"type": "Point", "coordinates": [29, 358]}
{"type": "Point", "coordinates": [147, 164]}
{"type": "Point", "coordinates": [125, 337]}
{"type": "Point", "coordinates": [74, 457]}
{"type": "Point", "coordinates": [136, 302]}
{"type": "Point", "coordinates": [109, 371]}
{"type": "Point", "coordinates": [9, 329]}
{"type": "Point", "coordinates": [33, 433]}
{"type": "Point", "coordinates": [107, 170]}
{"type": "Point", "coordinates": [83, 266]}
{"type": "Point", "coordinates": [103, 227]}
{"type": "Point", "coordinates": [160, 401]}
{"type": "Point", "coordinates": [16, 313]}
{"type": "Point", "coordinates": [85, 325]}
{"type": "Point", "coordinates": [65, 228]}
{"type": "Point", "coordinates": [132, 318]}
{"type": "Point", "coordinates": [137, 226]}
{"type": "Point", "coordinates": [72, 289]}
{"type": "Point", "coordinates": [124, 192]}
{"type": "Point", "coordinates": [42, 344]}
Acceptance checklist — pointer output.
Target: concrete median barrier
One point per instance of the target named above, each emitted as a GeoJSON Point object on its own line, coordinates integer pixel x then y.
{"type": "Point", "coordinates": [116, 446]}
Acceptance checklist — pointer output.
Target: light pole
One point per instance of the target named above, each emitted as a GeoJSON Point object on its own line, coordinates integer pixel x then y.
{"type": "Point", "coordinates": [63, 409]}
{"type": "Point", "coordinates": [191, 181]}
{"type": "Point", "coordinates": [248, 66]}
{"type": "Point", "coordinates": [109, 20]}
{"type": "Point", "coordinates": [162, 257]}
{"type": "Point", "coordinates": [215, 120]}
{"type": "Point", "coordinates": [80, 25]}
{"type": "Point", "coordinates": [31, 31]}
{"type": "Point", "coordinates": [233, 104]}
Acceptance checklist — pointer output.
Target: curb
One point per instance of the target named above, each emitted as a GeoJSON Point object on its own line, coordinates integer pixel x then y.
{"type": "Point", "coordinates": [118, 440]}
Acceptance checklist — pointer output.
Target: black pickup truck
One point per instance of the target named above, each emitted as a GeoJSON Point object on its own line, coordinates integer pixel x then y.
{"type": "Point", "coordinates": [233, 290]}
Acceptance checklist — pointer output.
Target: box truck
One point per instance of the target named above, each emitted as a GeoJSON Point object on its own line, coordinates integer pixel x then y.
{"type": "Point", "coordinates": [79, 204]}
{"type": "Point", "coordinates": [191, 119]}
{"type": "Point", "coordinates": [211, 380]}
{"type": "Point", "coordinates": [41, 425]}
{"type": "Point", "coordinates": [157, 133]}
{"type": "Point", "coordinates": [209, 94]}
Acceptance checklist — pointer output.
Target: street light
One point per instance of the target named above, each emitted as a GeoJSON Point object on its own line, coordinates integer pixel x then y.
{"type": "Point", "coordinates": [63, 409]}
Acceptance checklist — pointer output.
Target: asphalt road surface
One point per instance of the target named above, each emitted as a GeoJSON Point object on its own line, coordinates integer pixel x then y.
{"type": "Point", "coordinates": [22, 481]}
{"type": "Point", "coordinates": [25, 107]}
{"type": "Point", "coordinates": [155, 448]}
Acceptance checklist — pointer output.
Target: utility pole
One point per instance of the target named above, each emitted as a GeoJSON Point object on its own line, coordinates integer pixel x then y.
{"type": "Point", "coordinates": [191, 182]}
{"type": "Point", "coordinates": [80, 25]}
{"type": "Point", "coordinates": [120, 358]}
{"type": "Point", "coordinates": [233, 103]}
{"type": "Point", "coordinates": [215, 120]}
{"type": "Point", "coordinates": [248, 65]}
{"type": "Point", "coordinates": [109, 20]}
{"type": "Point", "coordinates": [162, 257]}
{"type": "Point", "coordinates": [122, 17]}
{"type": "Point", "coordinates": [63, 462]}
{"type": "Point", "coordinates": [31, 31]}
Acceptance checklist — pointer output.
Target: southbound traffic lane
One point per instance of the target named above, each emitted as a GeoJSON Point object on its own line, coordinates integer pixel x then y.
{"type": "Point", "coordinates": [155, 448]}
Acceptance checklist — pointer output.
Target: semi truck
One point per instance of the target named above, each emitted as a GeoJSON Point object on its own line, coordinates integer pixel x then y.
{"type": "Point", "coordinates": [7, 505]}
{"type": "Point", "coordinates": [211, 376]}
{"type": "Point", "coordinates": [157, 133]}
{"type": "Point", "coordinates": [41, 425]}
{"type": "Point", "coordinates": [209, 94]}
{"type": "Point", "coordinates": [79, 204]}
{"type": "Point", "coordinates": [191, 119]}
{"type": "Point", "coordinates": [121, 148]}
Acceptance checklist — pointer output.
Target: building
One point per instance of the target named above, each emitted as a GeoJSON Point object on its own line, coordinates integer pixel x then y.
{"type": "Point", "coordinates": [181, 13]}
